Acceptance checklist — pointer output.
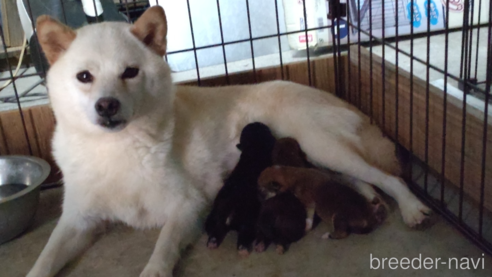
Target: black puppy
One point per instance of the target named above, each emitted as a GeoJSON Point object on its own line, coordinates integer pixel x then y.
{"type": "Point", "coordinates": [282, 221]}
{"type": "Point", "coordinates": [237, 204]}
{"type": "Point", "coordinates": [283, 217]}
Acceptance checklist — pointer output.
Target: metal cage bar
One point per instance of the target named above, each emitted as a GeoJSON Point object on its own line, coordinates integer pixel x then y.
{"type": "Point", "coordinates": [467, 79]}
{"type": "Point", "coordinates": [193, 42]}
{"type": "Point", "coordinates": [222, 42]}
{"type": "Point", "coordinates": [445, 108]}
{"type": "Point", "coordinates": [251, 41]}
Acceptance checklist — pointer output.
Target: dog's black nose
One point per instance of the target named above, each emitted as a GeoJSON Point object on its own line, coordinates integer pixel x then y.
{"type": "Point", "coordinates": [107, 106]}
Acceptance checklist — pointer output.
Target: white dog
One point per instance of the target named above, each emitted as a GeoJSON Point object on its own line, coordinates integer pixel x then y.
{"type": "Point", "coordinates": [134, 147]}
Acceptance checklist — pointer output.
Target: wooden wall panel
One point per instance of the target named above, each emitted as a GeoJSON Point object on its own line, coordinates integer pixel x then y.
{"type": "Point", "coordinates": [44, 125]}
{"type": "Point", "coordinates": [3, 139]}
{"type": "Point", "coordinates": [415, 140]}
{"type": "Point", "coordinates": [31, 133]}
{"type": "Point", "coordinates": [13, 133]}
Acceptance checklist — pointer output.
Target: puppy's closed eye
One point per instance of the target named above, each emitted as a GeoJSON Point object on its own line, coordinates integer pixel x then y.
{"type": "Point", "coordinates": [274, 186]}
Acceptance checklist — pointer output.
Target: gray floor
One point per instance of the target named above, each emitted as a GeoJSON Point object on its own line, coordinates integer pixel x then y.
{"type": "Point", "coordinates": [122, 251]}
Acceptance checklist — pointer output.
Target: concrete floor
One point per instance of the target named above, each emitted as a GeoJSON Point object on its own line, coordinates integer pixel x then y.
{"type": "Point", "coordinates": [122, 251]}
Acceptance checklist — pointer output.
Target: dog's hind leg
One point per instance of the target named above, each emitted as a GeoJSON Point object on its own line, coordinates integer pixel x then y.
{"type": "Point", "coordinates": [363, 188]}
{"type": "Point", "coordinates": [71, 236]}
{"type": "Point", "coordinates": [342, 158]}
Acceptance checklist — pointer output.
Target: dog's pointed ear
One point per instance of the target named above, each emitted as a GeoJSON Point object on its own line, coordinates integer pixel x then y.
{"type": "Point", "coordinates": [151, 29]}
{"type": "Point", "coordinates": [54, 37]}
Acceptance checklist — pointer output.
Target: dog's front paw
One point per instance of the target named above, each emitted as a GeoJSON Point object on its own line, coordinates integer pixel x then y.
{"type": "Point", "coordinates": [416, 214]}
{"type": "Point", "coordinates": [156, 270]}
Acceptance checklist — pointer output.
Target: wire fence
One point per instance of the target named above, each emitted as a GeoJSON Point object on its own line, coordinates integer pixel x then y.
{"type": "Point", "coordinates": [404, 34]}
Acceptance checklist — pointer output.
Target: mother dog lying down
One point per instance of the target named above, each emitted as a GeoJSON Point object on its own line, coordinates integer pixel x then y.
{"type": "Point", "coordinates": [134, 147]}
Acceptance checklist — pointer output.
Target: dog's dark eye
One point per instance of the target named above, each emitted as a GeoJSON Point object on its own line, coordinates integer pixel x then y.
{"type": "Point", "coordinates": [85, 77]}
{"type": "Point", "coordinates": [130, 72]}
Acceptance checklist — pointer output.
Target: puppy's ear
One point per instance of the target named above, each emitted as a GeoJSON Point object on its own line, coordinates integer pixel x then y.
{"type": "Point", "coordinates": [151, 29]}
{"type": "Point", "coordinates": [239, 146]}
{"type": "Point", "coordinates": [54, 37]}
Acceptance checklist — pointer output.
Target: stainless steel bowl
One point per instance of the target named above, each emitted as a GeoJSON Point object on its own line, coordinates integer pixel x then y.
{"type": "Point", "coordinates": [20, 180]}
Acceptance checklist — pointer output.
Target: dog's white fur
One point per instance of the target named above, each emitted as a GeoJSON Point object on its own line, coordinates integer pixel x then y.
{"type": "Point", "coordinates": [169, 160]}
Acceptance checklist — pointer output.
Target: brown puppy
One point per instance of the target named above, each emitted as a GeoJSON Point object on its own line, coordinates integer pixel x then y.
{"type": "Point", "coordinates": [288, 152]}
{"type": "Point", "coordinates": [283, 219]}
{"type": "Point", "coordinates": [334, 202]}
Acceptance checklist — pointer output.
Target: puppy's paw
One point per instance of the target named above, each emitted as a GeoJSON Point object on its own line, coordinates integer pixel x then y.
{"type": "Point", "coordinates": [309, 224]}
{"type": "Point", "coordinates": [260, 247]}
{"type": "Point", "coordinates": [416, 214]}
{"type": "Point", "coordinates": [243, 251]}
{"type": "Point", "coordinates": [212, 243]}
{"type": "Point", "coordinates": [335, 235]}
{"type": "Point", "coordinates": [156, 270]}
{"type": "Point", "coordinates": [280, 249]}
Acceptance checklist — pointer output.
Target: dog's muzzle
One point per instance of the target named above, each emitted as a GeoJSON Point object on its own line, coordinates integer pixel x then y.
{"type": "Point", "coordinates": [109, 123]}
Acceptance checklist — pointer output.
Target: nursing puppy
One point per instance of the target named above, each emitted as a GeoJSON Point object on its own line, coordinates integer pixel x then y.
{"type": "Point", "coordinates": [288, 152]}
{"type": "Point", "coordinates": [283, 217]}
{"type": "Point", "coordinates": [349, 211]}
{"type": "Point", "coordinates": [282, 221]}
{"type": "Point", "coordinates": [133, 147]}
{"type": "Point", "coordinates": [237, 205]}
